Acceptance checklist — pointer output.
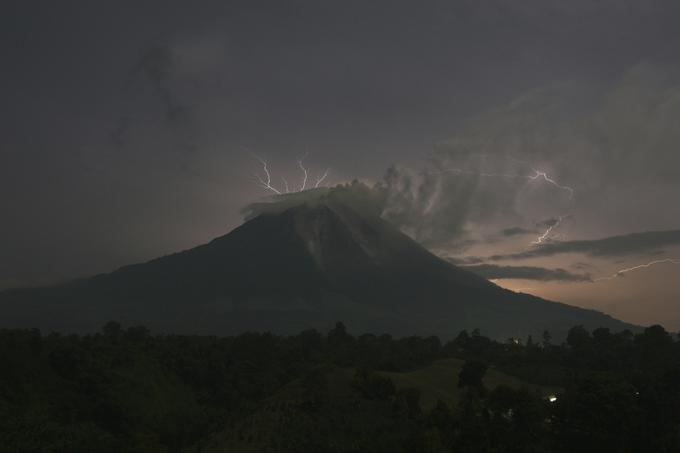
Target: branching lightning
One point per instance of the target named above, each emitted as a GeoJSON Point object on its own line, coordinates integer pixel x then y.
{"type": "Point", "coordinates": [621, 272]}
{"type": "Point", "coordinates": [542, 174]}
{"type": "Point", "coordinates": [266, 181]}
{"type": "Point", "coordinates": [304, 170]}
{"type": "Point", "coordinates": [320, 179]}
{"type": "Point", "coordinates": [542, 238]}
{"type": "Point", "coordinates": [538, 175]}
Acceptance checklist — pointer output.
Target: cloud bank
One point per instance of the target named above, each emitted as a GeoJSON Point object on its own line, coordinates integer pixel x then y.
{"type": "Point", "coordinates": [634, 243]}
{"type": "Point", "coordinates": [492, 272]}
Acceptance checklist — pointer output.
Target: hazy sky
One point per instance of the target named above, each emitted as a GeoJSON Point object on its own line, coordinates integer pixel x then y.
{"type": "Point", "coordinates": [128, 131]}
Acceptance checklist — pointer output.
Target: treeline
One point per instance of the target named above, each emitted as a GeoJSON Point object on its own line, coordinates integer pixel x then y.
{"type": "Point", "coordinates": [620, 391]}
{"type": "Point", "coordinates": [125, 389]}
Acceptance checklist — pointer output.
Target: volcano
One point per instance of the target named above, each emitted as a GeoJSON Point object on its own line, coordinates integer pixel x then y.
{"type": "Point", "coordinates": [298, 266]}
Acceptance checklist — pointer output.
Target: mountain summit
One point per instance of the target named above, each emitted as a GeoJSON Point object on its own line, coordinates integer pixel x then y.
{"type": "Point", "coordinates": [292, 266]}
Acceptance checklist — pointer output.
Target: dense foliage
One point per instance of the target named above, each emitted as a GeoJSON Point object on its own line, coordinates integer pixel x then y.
{"type": "Point", "coordinates": [128, 390]}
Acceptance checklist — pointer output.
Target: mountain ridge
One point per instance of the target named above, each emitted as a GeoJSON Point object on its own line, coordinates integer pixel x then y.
{"type": "Point", "coordinates": [304, 266]}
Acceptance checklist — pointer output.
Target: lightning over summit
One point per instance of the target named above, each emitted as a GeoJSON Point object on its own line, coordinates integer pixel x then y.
{"type": "Point", "coordinates": [265, 181]}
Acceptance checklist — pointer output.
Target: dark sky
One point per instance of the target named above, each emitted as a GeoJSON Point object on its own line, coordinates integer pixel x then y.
{"type": "Point", "coordinates": [129, 128]}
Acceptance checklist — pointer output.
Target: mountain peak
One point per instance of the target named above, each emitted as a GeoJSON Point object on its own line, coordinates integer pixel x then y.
{"type": "Point", "coordinates": [299, 262]}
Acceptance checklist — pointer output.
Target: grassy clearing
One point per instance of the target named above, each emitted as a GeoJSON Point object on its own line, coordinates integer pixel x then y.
{"type": "Point", "coordinates": [439, 380]}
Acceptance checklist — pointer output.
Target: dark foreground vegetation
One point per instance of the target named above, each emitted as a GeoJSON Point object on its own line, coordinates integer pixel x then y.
{"type": "Point", "coordinates": [128, 390]}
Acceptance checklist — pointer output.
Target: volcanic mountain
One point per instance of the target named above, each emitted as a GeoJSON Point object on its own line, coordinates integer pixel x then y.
{"type": "Point", "coordinates": [299, 265]}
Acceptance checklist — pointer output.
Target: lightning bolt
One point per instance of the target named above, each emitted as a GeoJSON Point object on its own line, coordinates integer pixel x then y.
{"type": "Point", "coordinates": [304, 170]}
{"type": "Point", "coordinates": [620, 273]}
{"type": "Point", "coordinates": [537, 175]}
{"type": "Point", "coordinates": [320, 180]}
{"type": "Point", "coordinates": [542, 174]}
{"type": "Point", "coordinates": [266, 181]}
{"type": "Point", "coordinates": [542, 238]}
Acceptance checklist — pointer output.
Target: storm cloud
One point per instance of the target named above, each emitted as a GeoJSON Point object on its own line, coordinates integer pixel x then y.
{"type": "Point", "coordinates": [648, 242]}
{"type": "Point", "coordinates": [622, 164]}
{"type": "Point", "coordinates": [128, 127]}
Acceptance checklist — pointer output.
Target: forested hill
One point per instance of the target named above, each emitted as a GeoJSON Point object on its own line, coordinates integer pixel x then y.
{"type": "Point", "coordinates": [126, 390]}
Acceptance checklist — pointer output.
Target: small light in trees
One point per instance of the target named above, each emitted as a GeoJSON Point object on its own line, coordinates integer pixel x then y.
{"type": "Point", "coordinates": [552, 398]}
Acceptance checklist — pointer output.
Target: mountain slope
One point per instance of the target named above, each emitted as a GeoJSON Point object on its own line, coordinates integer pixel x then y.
{"type": "Point", "coordinates": [301, 267]}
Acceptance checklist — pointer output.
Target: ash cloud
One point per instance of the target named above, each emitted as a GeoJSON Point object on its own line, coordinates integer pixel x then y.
{"type": "Point", "coordinates": [157, 104]}
{"type": "Point", "coordinates": [592, 136]}
{"type": "Point", "coordinates": [612, 141]}
{"type": "Point", "coordinates": [431, 209]}
{"type": "Point", "coordinates": [158, 66]}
